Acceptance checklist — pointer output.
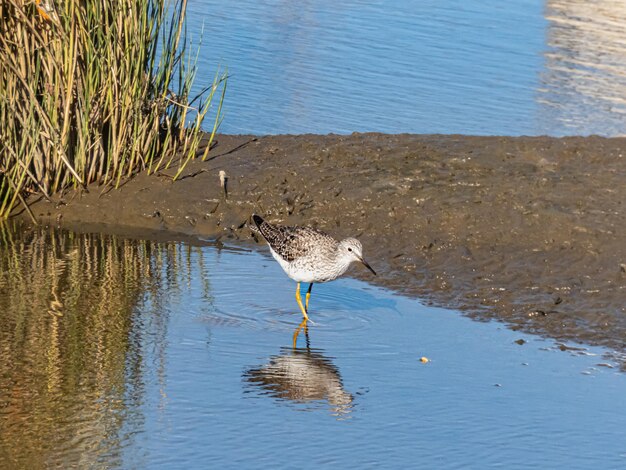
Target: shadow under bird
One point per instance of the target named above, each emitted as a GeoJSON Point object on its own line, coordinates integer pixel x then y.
{"type": "Point", "coordinates": [309, 255]}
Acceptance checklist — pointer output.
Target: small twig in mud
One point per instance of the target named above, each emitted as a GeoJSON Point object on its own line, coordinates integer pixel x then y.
{"type": "Point", "coordinates": [224, 183]}
{"type": "Point", "coordinates": [105, 191]}
{"type": "Point", "coordinates": [191, 175]}
{"type": "Point", "coordinates": [239, 147]}
{"type": "Point", "coordinates": [19, 196]}
{"type": "Point", "coordinates": [30, 212]}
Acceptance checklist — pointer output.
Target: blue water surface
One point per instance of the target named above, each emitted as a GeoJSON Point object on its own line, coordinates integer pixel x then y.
{"type": "Point", "coordinates": [122, 353]}
{"type": "Point", "coordinates": [447, 66]}
{"type": "Point", "coordinates": [482, 401]}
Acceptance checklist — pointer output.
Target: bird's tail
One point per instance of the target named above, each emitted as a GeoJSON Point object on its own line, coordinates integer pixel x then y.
{"type": "Point", "coordinates": [258, 220]}
{"type": "Point", "coordinates": [270, 232]}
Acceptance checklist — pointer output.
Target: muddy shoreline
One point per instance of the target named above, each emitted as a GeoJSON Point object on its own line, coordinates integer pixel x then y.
{"type": "Point", "coordinates": [529, 230]}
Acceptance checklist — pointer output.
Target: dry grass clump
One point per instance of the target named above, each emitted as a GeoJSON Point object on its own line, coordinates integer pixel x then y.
{"type": "Point", "coordinates": [94, 91]}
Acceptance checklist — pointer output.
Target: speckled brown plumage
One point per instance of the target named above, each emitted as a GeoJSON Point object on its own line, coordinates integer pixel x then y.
{"type": "Point", "coordinates": [291, 243]}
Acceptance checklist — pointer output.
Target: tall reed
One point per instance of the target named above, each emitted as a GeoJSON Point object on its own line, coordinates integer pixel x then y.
{"type": "Point", "coordinates": [94, 91]}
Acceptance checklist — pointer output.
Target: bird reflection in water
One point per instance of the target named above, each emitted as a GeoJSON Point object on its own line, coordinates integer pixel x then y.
{"type": "Point", "coordinates": [303, 376]}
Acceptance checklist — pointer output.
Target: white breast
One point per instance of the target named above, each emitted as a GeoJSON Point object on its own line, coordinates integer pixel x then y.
{"type": "Point", "coordinates": [308, 270]}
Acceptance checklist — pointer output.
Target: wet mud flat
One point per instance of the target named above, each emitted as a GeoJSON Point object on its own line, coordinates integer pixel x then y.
{"type": "Point", "coordinates": [529, 230]}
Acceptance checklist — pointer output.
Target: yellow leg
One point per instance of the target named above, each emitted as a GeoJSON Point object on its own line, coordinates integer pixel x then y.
{"type": "Point", "coordinates": [299, 300]}
{"type": "Point", "coordinates": [308, 296]}
{"type": "Point", "coordinates": [297, 332]}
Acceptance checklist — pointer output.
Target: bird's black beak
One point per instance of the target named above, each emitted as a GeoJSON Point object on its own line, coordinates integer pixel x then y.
{"type": "Point", "coordinates": [367, 266]}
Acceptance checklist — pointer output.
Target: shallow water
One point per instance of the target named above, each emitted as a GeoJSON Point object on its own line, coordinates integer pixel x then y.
{"type": "Point", "coordinates": [528, 67]}
{"type": "Point", "coordinates": [118, 353]}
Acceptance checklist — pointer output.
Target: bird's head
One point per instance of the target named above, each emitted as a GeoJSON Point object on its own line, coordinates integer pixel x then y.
{"type": "Point", "coordinates": [351, 250]}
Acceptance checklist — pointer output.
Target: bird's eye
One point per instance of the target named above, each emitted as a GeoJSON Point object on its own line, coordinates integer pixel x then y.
{"type": "Point", "coordinates": [349, 249]}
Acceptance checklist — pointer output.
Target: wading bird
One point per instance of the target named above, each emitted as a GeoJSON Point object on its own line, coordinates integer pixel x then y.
{"type": "Point", "coordinates": [309, 255]}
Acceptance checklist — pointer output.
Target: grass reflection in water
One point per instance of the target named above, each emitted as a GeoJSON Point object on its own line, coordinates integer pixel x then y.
{"type": "Point", "coordinates": [73, 343]}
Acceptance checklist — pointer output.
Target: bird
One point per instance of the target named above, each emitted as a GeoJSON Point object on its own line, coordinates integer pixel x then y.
{"type": "Point", "coordinates": [309, 255]}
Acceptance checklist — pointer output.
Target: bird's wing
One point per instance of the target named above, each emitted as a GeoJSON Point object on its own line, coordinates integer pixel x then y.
{"type": "Point", "coordinates": [292, 242]}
